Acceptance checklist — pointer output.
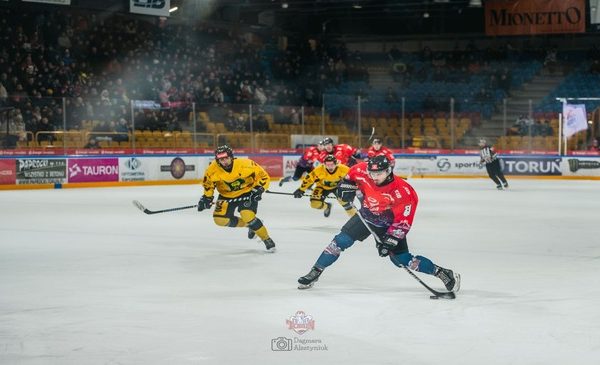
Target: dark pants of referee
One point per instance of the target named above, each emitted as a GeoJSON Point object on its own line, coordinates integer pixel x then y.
{"type": "Point", "coordinates": [495, 172]}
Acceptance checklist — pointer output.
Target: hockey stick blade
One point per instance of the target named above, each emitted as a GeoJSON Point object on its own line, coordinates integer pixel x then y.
{"type": "Point", "coordinates": [140, 206]}
{"type": "Point", "coordinates": [448, 295]}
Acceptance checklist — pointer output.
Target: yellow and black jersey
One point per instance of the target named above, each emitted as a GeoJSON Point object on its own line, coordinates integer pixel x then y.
{"type": "Point", "coordinates": [245, 174]}
{"type": "Point", "coordinates": [323, 178]}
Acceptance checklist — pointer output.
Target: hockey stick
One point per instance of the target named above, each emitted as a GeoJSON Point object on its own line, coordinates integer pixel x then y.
{"type": "Point", "coordinates": [371, 136]}
{"type": "Point", "coordinates": [282, 193]}
{"type": "Point", "coordinates": [436, 294]}
{"type": "Point", "coordinates": [148, 211]}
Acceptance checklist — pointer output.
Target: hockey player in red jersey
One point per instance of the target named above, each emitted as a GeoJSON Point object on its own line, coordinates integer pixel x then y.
{"type": "Point", "coordinates": [388, 205]}
{"type": "Point", "coordinates": [305, 163]}
{"type": "Point", "coordinates": [377, 149]}
{"type": "Point", "coordinates": [345, 154]}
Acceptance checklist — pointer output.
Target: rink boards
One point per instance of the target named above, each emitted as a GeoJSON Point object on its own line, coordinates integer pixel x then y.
{"type": "Point", "coordinates": [74, 171]}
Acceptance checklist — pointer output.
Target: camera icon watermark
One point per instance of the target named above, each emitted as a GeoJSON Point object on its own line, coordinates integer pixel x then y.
{"type": "Point", "coordinates": [281, 344]}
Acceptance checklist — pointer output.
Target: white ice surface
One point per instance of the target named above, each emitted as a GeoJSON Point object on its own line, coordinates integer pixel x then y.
{"type": "Point", "coordinates": [86, 278]}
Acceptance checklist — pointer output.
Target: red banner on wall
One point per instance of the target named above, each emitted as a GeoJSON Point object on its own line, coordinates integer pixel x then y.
{"type": "Point", "coordinates": [271, 164]}
{"type": "Point", "coordinates": [7, 172]}
{"type": "Point", "coordinates": [522, 17]}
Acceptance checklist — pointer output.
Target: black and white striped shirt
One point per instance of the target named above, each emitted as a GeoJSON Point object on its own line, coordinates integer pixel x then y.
{"type": "Point", "coordinates": [487, 154]}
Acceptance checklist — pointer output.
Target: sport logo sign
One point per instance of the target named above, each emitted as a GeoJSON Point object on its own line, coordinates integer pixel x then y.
{"type": "Point", "coordinates": [93, 170]}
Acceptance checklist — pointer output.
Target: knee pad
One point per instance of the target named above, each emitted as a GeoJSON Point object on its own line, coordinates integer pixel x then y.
{"type": "Point", "coordinates": [225, 221]}
{"type": "Point", "coordinates": [255, 224]}
{"type": "Point", "coordinates": [343, 240]}
{"type": "Point", "coordinates": [340, 242]}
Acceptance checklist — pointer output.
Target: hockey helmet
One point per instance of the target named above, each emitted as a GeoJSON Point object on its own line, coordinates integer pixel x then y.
{"type": "Point", "coordinates": [327, 141]}
{"type": "Point", "coordinates": [330, 158]}
{"type": "Point", "coordinates": [378, 164]}
{"type": "Point", "coordinates": [377, 140]}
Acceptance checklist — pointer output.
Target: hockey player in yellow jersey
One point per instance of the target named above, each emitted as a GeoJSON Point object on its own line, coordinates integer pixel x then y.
{"type": "Point", "coordinates": [326, 176]}
{"type": "Point", "coordinates": [236, 178]}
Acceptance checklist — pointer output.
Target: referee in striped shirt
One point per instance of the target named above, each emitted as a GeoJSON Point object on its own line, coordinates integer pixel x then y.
{"type": "Point", "coordinates": [492, 164]}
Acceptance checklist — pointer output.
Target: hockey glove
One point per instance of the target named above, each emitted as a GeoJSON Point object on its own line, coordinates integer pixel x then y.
{"type": "Point", "coordinates": [346, 191]}
{"type": "Point", "coordinates": [298, 194]}
{"type": "Point", "coordinates": [256, 193]}
{"type": "Point", "coordinates": [388, 243]}
{"type": "Point", "coordinates": [204, 203]}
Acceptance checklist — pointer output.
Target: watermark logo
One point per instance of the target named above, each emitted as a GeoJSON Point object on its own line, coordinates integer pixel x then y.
{"type": "Point", "coordinates": [300, 322]}
{"type": "Point", "coordinates": [281, 344]}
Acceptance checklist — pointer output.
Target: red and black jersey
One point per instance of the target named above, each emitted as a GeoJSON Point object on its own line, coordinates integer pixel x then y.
{"type": "Point", "coordinates": [342, 153]}
{"type": "Point", "coordinates": [383, 151]}
{"type": "Point", "coordinates": [311, 155]}
{"type": "Point", "coordinates": [391, 205]}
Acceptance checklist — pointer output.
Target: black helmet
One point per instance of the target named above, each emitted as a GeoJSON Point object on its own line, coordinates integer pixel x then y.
{"type": "Point", "coordinates": [330, 158]}
{"type": "Point", "coordinates": [377, 140]}
{"type": "Point", "coordinates": [223, 151]}
{"type": "Point", "coordinates": [379, 163]}
{"type": "Point", "coordinates": [327, 141]}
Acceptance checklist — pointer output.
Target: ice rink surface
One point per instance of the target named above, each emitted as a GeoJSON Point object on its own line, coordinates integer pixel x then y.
{"type": "Point", "coordinates": [86, 278]}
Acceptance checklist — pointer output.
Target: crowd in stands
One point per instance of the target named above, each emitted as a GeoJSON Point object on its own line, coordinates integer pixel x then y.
{"type": "Point", "coordinates": [526, 126]}
{"type": "Point", "coordinates": [100, 64]}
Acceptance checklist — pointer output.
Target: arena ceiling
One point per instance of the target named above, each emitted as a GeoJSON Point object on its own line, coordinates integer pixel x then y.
{"type": "Point", "coordinates": [360, 17]}
{"type": "Point", "coordinates": [330, 17]}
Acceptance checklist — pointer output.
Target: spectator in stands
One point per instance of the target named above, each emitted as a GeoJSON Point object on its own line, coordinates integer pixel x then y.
{"type": "Point", "coordinates": [230, 121]}
{"type": "Point", "coordinates": [3, 94]}
{"type": "Point", "coordinates": [44, 130]}
{"type": "Point", "coordinates": [595, 67]}
{"type": "Point", "coordinates": [483, 95]}
{"type": "Point", "coordinates": [294, 117]}
{"type": "Point", "coordinates": [391, 97]}
{"type": "Point", "coordinates": [551, 60]}
{"type": "Point", "coordinates": [261, 124]}
{"type": "Point", "coordinates": [123, 129]}
{"type": "Point", "coordinates": [594, 146]}
{"type": "Point", "coordinates": [505, 81]}
{"type": "Point", "coordinates": [92, 143]}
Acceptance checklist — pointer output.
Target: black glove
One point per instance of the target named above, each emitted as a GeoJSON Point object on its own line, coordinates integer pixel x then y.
{"type": "Point", "coordinates": [204, 203]}
{"type": "Point", "coordinates": [298, 194]}
{"type": "Point", "coordinates": [346, 191]}
{"type": "Point", "coordinates": [387, 244]}
{"type": "Point", "coordinates": [256, 193]}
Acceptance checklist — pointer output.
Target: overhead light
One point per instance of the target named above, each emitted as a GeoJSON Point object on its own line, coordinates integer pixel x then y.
{"type": "Point", "coordinates": [475, 3]}
{"type": "Point", "coordinates": [425, 15]}
{"type": "Point", "coordinates": [173, 9]}
{"type": "Point", "coordinates": [284, 5]}
{"type": "Point", "coordinates": [357, 6]}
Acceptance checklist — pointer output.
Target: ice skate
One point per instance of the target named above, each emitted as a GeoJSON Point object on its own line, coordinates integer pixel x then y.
{"type": "Point", "coordinates": [269, 245]}
{"type": "Point", "coordinates": [499, 187]}
{"type": "Point", "coordinates": [308, 280]}
{"type": "Point", "coordinates": [505, 185]}
{"type": "Point", "coordinates": [450, 279]}
{"type": "Point", "coordinates": [327, 210]}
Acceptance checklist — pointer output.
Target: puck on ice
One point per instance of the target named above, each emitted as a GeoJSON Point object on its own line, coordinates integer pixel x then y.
{"type": "Point", "coordinates": [434, 297]}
